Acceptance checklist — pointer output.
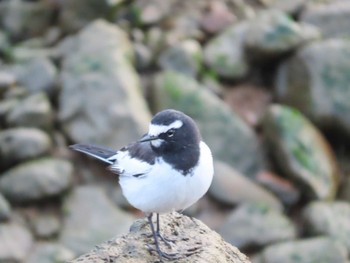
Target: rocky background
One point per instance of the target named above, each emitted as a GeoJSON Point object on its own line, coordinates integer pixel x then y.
{"type": "Point", "coordinates": [267, 81]}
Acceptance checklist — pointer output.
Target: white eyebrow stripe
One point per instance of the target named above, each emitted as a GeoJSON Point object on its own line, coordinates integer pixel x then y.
{"type": "Point", "coordinates": [155, 129]}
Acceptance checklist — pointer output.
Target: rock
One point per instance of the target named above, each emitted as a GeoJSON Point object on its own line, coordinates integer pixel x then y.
{"type": "Point", "coordinates": [301, 152]}
{"type": "Point", "coordinates": [228, 137]}
{"type": "Point", "coordinates": [48, 252]}
{"type": "Point", "coordinates": [217, 17]}
{"type": "Point", "coordinates": [331, 17]}
{"type": "Point", "coordinates": [25, 19]}
{"type": "Point", "coordinates": [143, 56]}
{"type": "Point", "coordinates": [188, 233]}
{"type": "Point", "coordinates": [184, 57]}
{"type": "Point", "coordinates": [36, 180]}
{"type": "Point", "coordinates": [45, 225]}
{"type": "Point", "coordinates": [256, 225]}
{"type": "Point", "coordinates": [33, 111]}
{"type": "Point", "coordinates": [15, 242]}
{"type": "Point", "coordinates": [4, 43]}
{"type": "Point", "coordinates": [272, 33]}
{"type": "Point", "coordinates": [6, 106]}
{"type": "Point", "coordinates": [151, 11]}
{"type": "Point", "coordinates": [76, 14]}
{"type": "Point", "coordinates": [6, 81]}
{"type": "Point", "coordinates": [291, 7]}
{"type": "Point", "coordinates": [37, 75]}
{"type": "Point", "coordinates": [101, 101]}
{"type": "Point", "coordinates": [344, 192]}
{"type": "Point", "coordinates": [313, 250]}
{"type": "Point", "coordinates": [225, 53]}
{"type": "Point", "coordinates": [90, 219]}
{"type": "Point", "coordinates": [5, 209]}
{"type": "Point", "coordinates": [315, 81]}
{"type": "Point", "coordinates": [20, 144]}
{"type": "Point", "coordinates": [230, 187]}
{"type": "Point", "coordinates": [330, 219]}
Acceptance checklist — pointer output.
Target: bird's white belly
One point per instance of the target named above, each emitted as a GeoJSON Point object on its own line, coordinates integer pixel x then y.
{"type": "Point", "coordinates": [164, 190]}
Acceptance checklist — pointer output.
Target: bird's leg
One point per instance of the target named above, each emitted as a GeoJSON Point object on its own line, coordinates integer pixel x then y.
{"type": "Point", "coordinates": [157, 249]}
{"type": "Point", "coordinates": [166, 241]}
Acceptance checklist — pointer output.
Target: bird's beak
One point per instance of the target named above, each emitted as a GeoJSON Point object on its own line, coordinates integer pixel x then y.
{"type": "Point", "coordinates": [148, 138]}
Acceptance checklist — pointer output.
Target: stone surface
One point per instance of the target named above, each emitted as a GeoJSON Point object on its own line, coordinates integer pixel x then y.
{"type": "Point", "coordinates": [20, 144]}
{"type": "Point", "coordinates": [5, 209]}
{"type": "Point", "coordinates": [151, 11]}
{"type": "Point", "coordinates": [231, 187]}
{"type": "Point", "coordinates": [344, 192]}
{"type": "Point", "coordinates": [256, 225]}
{"type": "Point", "coordinates": [315, 81]}
{"type": "Point", "coordinates": [228, 137]}
{"type": "Point", "coordinates": [49, 252]}
{"type": "Point", "coordinates": [313, 250]}
{"type": "Point", "coordinates": [301, 152]}
{"type": "Point", "coordinates": [101, 100]}
{"type": "Point", "coordinates": [188, 233]}
{"type": "Point", "coordinates": [32, 111]}
{"type": "Point", "coordinates": [15, 242]}
{"type": "Point", "coordinates": [6, 81]}
{"type": "Point", "coordinates": [45, 225]}
{"type": "Point", "coordinates": [329, 218]}
{"type": "Point", "coordinates": [331, 17]}
{"type": "Point", "coordinates": [225, 53]}
{"type": "Point", "coordinates": [38, 74]}
{"type": "Point", "coordinates": [91, 218]}
{"type": "Point", "coordinates": [272, 33]}
{"type": "Point", "coordinates": [285, 5]}
{"type": "Point", "coordinates": [184, 57]}
{"type": "Point", "coordinates": [36, 180]}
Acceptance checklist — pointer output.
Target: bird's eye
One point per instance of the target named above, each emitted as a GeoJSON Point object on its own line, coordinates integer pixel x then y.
{"type": "Point", "coordinates": [170, 133]}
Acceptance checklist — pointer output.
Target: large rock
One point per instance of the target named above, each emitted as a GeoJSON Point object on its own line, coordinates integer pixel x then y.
{"type": "Point", "coordinates": [256, 225]}
{"type": "Point", "coordinates": [5, 209]}
{"type": "Point", "coordinates": [192, 237]}
{"type": "Point", "coordinates": [225, 53]}
{"type": "Point", "coordinates": [15, 242]}
{"type": "Point", "coordinates": [313, 250]}
{"type": "Point", "coordinates": [331, 17]}
{"type": "Point", "coordinates": [329, 218]}
{"type": "Point", "coordinates": [101, 101]}
{"type": "Point", "coordinates": [272, 33]}
{"type": "Point", "coordinates": [47, 252]}
{"type": "Point", "coordinates": [229, 138]}
{"type": "Point", "coordinates": [301, 152]}
{"type": "Point", "coordinates": [90, 219]}
{"type": "Point", "coordinates": [20, 144]}
{"type": "Point", "coordinates": [33, 111]}
{"type": "Point", "coordinates": [36, 180]}
{"type": "Point", "coordinates": [316, 81]}
{"type": "Point", "coordinates": [230, 187]}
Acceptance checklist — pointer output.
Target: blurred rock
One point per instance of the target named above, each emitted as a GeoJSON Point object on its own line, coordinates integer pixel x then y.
{"type": "Point", "coordinates": [189, 233]}
{"type": "Point", "coordinates": [33, 111]}
{"type": "Point", "coordinates": [101, 100]}
{"type": "Point", "coordinates": [331, 17]}
{"type": "Point", "coordinates": [282, 188]}
{"type": "Point", "coordinates": [291, 7]}
{"type": "Point", "coordinates": [76, 14]}
{"type": "Point", "coordinates": [344, 192]}
{"type": "Point", "coordinates": [36, 75]}
{"type": "Point", "coordinates": [45, 225]}
{"type": "Point", "coordinates": [229, 138]}
{"type": "Point", "coordinates": [184, 57]}
{"type": "Point", "coordinates": [143, 56]}
{"type": "Point", "coordinates": [6, 106]}
{"type": "Point", "coordinates": [36, 180]}
{"type": "Point", "coordinates": [49, 252]}
{"type": "Point", "coordinates": [151, 11]}
{"type": "Point", "coordinates": [272, 33]}
{"type": "Point", "coordinates": [217, 17]}
{"type": "Point", "coordinates": [4, 43]}
{"type": "Point", "coordinates": [256, 225]}
{"type": "Point", "coordinates": [330, 219]}
{"type": "Point", "coordinates": [90, 219]}
{"type": "Point", "coordinates": [230, 187]}
{"type": "Point", "coordinates": [15, 242]}
{"type": "Point", "coordinates": [316, 81]}
{"type": "Point", "coordinates": [20, 144]}
{"type": "Point", "coordinates": [225, 53]}
{"type": "Point", "coordinates": [6, 81]}
{"type": "Point", "coordinates": [23, 19]}
{"type": "Point", "coordinates": [312, 250]}
{"type": "Point", "coordinates": [301, 152]}
{"type": "Point", "coordinates": [5, 209]}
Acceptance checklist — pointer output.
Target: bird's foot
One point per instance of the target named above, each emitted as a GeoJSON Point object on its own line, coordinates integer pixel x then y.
{"type": "Point", "coordinates": [167, 241]}
{"type": "Point", "coordinates": [176, 255]}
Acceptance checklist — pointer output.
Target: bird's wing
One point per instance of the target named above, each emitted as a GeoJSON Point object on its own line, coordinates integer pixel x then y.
{"type": "Point", "coordinates": [97, 152]}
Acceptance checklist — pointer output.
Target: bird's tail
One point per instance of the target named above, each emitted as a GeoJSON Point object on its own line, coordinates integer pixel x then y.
{"type": "Point", "coordinates": [97, 152]}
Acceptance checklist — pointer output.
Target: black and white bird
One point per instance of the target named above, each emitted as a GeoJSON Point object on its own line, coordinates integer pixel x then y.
{"type": "Point", "coordinates": [168, 169]}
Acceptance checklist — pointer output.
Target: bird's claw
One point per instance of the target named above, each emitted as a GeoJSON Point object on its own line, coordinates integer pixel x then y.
{"type": "Point", "coordinates": [174, 256]}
